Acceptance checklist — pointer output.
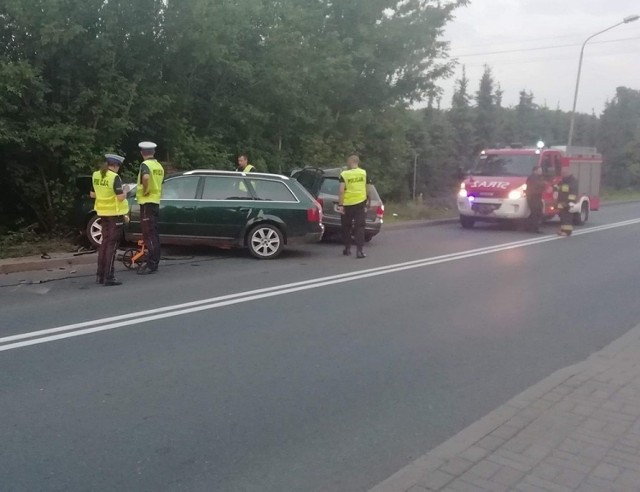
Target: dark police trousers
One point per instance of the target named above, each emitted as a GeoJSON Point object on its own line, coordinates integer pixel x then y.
{"type": "Point", "coordinates": [354, 219]}
{"type": "Point", "coordinates": [149, 214]}
{"type": "Point", "coordinates": [535, 218]}
{"type": "Point", "coordinates": [111, 234]}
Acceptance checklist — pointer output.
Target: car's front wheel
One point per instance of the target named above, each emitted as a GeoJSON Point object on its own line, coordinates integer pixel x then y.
{"type": "Point", "coordinates": [265, 242]}
{"type": "Point", "coordinates": [94, 231]}
{"type": "Point", "coordinates": [467, 222]}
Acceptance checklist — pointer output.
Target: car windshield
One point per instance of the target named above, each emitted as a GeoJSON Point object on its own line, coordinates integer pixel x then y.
{"type": "Point", "coordinates": [504, 165]}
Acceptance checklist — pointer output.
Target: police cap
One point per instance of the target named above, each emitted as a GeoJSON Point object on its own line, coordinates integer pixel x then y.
{"type": "Point", "coordinates": [147, 146]}
{"type": "Point", "coordinates": [114, 159]}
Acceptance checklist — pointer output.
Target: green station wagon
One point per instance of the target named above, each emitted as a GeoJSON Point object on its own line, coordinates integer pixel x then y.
{"type": "Point", "coordinates": [262, 212]}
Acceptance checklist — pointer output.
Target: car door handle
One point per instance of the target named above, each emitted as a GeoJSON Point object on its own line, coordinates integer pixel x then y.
{"type": "Point", "coordinates": [188, 208]}
{"type": "Point", "coordinates": [244, 209]}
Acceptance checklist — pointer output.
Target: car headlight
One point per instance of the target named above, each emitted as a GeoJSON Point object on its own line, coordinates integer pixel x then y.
{"type": "Point", "coordinates": [518, 192]}
{"type": "Point", "coordinates": [515, 195]}
{"type": "Point", "coordinates": [463, 193]}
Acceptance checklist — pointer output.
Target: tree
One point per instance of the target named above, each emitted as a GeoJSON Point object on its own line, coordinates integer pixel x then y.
{"type": "Point", "coordinates": [486, 111]}
{"type": "Point", "coordinates": [620, 123]}
{"type": "Point", "coordinates": [525, 128]}
{"type": "Point", "coordinates": [462, 122]}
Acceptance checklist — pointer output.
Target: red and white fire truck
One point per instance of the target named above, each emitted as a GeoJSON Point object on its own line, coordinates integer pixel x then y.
{"type": "Point", "coordinates": [495, 188]}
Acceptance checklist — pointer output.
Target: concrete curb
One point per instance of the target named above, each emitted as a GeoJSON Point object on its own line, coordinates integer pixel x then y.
{"type": "Point", "coordinates": [28, 264]}
{"type": "Point", "coordinates": [404, 479]}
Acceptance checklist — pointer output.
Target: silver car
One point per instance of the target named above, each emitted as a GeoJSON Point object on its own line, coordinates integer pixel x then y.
{"type": "Point", "coordinates": [324, 185]}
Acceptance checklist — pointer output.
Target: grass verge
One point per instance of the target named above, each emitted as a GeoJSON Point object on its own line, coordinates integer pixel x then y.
{"type": "Point", "coordinates": [609, 195]}
{"type": "Point", "coordinates": [405, 211]}
{"type": "Point", "coordinates": [26, 243]}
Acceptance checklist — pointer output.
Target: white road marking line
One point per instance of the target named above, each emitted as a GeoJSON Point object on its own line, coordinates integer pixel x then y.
{"type": "Point", "coordinates": [231, 299]}
{"type": "Point", "coordinates": [140, 314]}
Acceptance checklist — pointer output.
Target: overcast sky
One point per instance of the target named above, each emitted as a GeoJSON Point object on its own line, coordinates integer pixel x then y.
{"type": "Point", "coordinates": [523, 26]}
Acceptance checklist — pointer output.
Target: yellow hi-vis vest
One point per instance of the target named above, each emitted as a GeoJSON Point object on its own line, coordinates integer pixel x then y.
{"type": "Point", "coordinates": [107, 203]}
{"type": "Point", "coordinates": [156, 177]}
{"type": "Point", "coordinates": [355, 186]}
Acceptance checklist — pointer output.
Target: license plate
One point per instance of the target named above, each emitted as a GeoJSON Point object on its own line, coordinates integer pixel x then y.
{"type": "Point", "coordinates": [485, 209]}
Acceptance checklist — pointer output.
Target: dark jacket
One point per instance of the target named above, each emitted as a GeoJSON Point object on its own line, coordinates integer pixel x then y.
{"type": "Point", "coordinates": [535, 186]}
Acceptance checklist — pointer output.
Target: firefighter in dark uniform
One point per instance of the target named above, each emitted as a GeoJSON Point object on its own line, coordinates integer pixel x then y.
{"type": "Point", "coordinates": [567, 196]}
{"type": "Point", "coordinates": [353, 201]}
{"type": "Point", "coordinates": [148, 194]}
{"type": "Point", "coordinates": [111, 206]}
{"type": "Point", "coordinates": [243, 164]}
{"type": "Point", "coordinates": [535, 189]}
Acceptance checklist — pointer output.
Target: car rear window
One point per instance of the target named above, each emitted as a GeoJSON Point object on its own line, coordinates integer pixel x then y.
{"type": "Point", "coordinates": [273, 191]}
{"type": "Point", "coordinates": [306, 179]}
{"type": "Point", "coordinates": [330, 186]}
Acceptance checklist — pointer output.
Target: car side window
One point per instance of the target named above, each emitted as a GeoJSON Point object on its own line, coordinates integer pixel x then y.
{"type": "Point", "coordinates": [547, 168]}
{"type": "Point", "coordinates": [330, 186]}
{"type": "Point", "coordinates": [558, 164]}
{"type": "Point", "coordinates": [273, 191]}
{"type": "Point", "coordinates": [182, 188]}
{"type": "Point", "coordinates": [225, 188]}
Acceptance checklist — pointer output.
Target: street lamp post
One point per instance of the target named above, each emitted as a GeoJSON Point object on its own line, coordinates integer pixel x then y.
{"type": "Point", "coordinates": [415, 173]}
{"type": "Point", "coordinates": [626, 20]}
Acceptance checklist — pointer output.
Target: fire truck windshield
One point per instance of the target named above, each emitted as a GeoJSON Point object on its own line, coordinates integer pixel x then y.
{"type": "Point", "coordinates": [505, 165]}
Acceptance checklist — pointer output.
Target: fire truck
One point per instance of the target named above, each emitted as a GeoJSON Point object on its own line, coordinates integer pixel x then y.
{"type": "Point", "coordinates": [495, 188]}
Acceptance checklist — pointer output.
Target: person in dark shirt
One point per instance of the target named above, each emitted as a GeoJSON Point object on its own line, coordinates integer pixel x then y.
{"type": "Point", "coordinates": [535, 189]}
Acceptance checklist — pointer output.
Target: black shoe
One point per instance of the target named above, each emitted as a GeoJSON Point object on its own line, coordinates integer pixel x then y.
{"type": "Point", "coordinates": [99, 280]}
{"type": "Point", "coordinates": [360, 254]}
{"type": "Point", "coordinates": [346, 251]}
{"type": "Point", "coordinates": [112, 282]}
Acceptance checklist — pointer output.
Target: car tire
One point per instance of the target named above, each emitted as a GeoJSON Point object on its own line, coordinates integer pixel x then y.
{"type": "Point", "coordinates": [265, 242]}
{"type": "Point", "coordinates": [93, 231]}
{"type": "Point", "coordinates": [368, 238]}
{"type": "Point", "coordinates": [580, 218]}
{"type": "Point", "coordinates": [467, 222]}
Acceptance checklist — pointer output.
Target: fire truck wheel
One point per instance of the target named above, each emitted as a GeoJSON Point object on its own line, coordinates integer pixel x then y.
{"type": "Point", "coordinates": [467, 222]}
{"type": "Point", "coordinates": [579, 218]}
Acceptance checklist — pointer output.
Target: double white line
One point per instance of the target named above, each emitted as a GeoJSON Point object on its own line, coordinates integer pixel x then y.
{"type": "Point", "coordinates": [87, 327]}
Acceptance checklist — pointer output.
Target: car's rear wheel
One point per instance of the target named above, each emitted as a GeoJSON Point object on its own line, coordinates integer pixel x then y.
{"type": "Point", "coordinates": [265, 242]}
{"type": "Point", "coordinates": [94, 231]}
{"type": "Point", "coordinates": [368, 237]}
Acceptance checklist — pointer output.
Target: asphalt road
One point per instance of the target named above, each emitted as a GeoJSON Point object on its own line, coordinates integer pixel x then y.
{"type": "Point", "coordinates": [327, 385]}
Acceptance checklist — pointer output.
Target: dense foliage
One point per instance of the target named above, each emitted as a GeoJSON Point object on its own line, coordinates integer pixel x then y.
{"type": "Point", "coordinates": [292, 82]}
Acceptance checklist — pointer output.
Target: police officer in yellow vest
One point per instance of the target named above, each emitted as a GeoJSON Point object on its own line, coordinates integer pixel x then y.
{"type": "Point", "coordinates": [111, 206]}
{"type": "Point", "coordinates": [243, 164]}
{"type": "Point", "coordinates": [148, 193]}
{"type": "Point", "coordinates": [353, 201]}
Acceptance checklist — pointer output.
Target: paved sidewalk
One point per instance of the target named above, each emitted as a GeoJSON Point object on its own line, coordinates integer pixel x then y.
{"type": "Point", "coordinates": [576, 431]}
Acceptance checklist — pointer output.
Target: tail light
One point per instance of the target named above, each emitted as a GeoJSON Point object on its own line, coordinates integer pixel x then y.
{"type": "Point", "coordinates": [380, 212]}
{"type": "Point", "coordinates": [314, 214]}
